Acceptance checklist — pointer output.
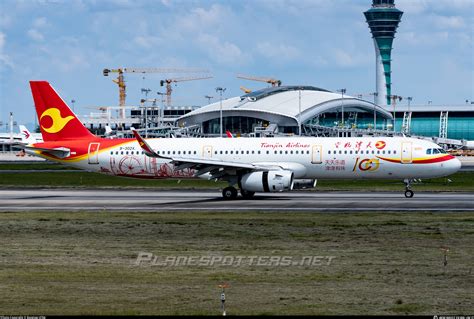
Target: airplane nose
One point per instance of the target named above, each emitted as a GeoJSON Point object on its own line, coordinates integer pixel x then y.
{"type": "Point", "coordinates": [454, 165]}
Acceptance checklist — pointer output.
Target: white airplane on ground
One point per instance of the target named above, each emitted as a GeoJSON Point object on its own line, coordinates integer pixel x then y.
{"type": "Point", "coordinates": [28, 137]}
{"type": "Point", "coordinates": [24, 137]}
{"type": "Point", "coordinates": [251, 164]}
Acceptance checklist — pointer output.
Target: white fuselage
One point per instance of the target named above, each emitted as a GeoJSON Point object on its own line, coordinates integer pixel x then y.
{"type": "Point", "coordinates": [306, 157]}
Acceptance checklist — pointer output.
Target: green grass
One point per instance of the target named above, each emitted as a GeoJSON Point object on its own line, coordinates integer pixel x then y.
{"type": "Point", "coordinates": [83, 263]}
{"type": "Point", "coordinates": [34, 166]}
{"type": "Point", "coordinates": [462, 181]}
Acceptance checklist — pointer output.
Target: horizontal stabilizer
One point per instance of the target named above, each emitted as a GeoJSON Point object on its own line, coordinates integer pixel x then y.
{"type": "Point", "coordinates": [59, 152]}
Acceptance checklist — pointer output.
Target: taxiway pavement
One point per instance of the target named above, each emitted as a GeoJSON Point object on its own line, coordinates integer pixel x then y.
{"type": "Point", "coordinates": [198, 200]}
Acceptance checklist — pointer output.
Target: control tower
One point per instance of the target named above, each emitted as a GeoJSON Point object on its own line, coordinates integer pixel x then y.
{"type": "Point", "coordinates": [383, 19]}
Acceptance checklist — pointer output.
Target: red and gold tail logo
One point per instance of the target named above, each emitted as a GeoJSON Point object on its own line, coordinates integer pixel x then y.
{"type": "Point", "coordinates": [380, 144]}
{"type": "Point", "coordinates": [58, 122]}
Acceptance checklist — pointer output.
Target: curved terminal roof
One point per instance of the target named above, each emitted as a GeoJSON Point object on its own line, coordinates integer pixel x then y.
{"type": "Point", "coordinates": [281, 105]}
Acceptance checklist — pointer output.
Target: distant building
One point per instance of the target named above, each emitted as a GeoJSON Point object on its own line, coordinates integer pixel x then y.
{"type": "Point", "coordinates": [281, 109]}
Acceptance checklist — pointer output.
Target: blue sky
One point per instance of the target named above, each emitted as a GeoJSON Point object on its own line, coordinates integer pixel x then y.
{"type": "Point", "coordinates": [325, 43]}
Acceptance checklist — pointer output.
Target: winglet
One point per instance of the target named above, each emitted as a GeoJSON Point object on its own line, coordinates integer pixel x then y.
{"type": "Point", "coordinates": [144, 145]}
{"type": "Point", "coordinates": [229, 134]}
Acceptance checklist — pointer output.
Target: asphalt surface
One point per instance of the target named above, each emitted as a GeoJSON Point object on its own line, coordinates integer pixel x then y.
{"type": "Point", "coordinates": [196, 200]}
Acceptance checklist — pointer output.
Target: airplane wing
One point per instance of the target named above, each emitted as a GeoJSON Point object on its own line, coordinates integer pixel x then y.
{"type": "Point", "coordinates": [215, 167]}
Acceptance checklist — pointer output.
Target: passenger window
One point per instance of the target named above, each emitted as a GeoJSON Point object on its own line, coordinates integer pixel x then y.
{"type": "Point", "coordinates": [268, 152]}
{"type": "Point", "coordinates": [329, 152]}
{"type": "Point", "coordinates": [388, 152]}
{"type": "Point", "coordinates": [220, 152]}
{"type": "Point", "coordinates": [373, 152]}
{"type": "Point", "coordinates": [281, 152]}
{"type": "Point", "coordinates": [383, 152]}
{"type": "Point", "coordinates": [253, 152]}
{"type": "Point", "coordinates": [367, 152]}
{"type": "Point", "coordinates": [378, 152]}
{"type": "Point", "coordinates": [394, 152]}
{"type": "Point", "coordinates": [157, 152]}
{"type": "Point", "coordinates": [340, 152]}
{"type": "Point", "coordinates": [307, 152]}
{"type": "Point", "coordinates": [276, 152]}
{"type": "Point", "coordinates": [226, 152]}
{"type": "Point", "coordinates": [258, 152]}
{"type": "Point", "coordinates": [174, 152]}
{"type": "Point", "coordinates": [345, 152]}
{"type": "Point", "coordinates": [350, 152]}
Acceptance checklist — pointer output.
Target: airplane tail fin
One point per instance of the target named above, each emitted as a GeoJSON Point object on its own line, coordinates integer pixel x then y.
{"type": "Point", "coordinates": [57, 121]}
{"type": "Point", "coordinates": [26, 136]}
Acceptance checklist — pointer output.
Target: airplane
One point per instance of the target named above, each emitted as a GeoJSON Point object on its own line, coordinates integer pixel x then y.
{"type": "Point", "coordinates": [28, 137]}
{"type": "Point", "coordinates": [252, 164]}
{"type": "Point", "coordinates": [24, 137]}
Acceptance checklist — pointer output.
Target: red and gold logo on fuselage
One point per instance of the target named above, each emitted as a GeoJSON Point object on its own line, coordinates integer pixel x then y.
{"type": "Point", "coordinates": [380, 145]}
{"type": "Point", "coordinates": [58, 122]}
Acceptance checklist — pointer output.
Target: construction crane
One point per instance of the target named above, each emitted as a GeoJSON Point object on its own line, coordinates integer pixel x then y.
{"type": "Point", "coordinates": [246, 91]}
{"type": "Point", "coordinates": [175, 80]}
{"type": "Point", "coordinates": [120, 81]}
{"type": "Point", "coordinates": [272, 81]}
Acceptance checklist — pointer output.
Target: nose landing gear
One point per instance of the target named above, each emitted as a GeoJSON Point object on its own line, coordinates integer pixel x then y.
{"type": "Point", "coordinates": [408, 192]}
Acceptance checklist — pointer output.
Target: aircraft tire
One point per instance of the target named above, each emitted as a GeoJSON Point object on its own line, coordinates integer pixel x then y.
{"type": "Point", "coordinates": [229, 193]}
{"type": "Point", "coordinates": [409, 193]}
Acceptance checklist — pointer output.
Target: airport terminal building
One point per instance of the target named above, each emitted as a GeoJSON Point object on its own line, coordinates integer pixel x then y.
{"type": "Point", "coordinates": [280, 110]}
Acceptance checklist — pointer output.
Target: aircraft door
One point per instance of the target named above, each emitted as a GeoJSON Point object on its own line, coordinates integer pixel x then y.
{"type": "Point", "coordinates": [207, 151]}
{"type": "Point", "coordinates": [406, 152]}
{"type": "Point", "coordinates": [94, 153]}
{"type": "Point", "coordinates": [316, 155]}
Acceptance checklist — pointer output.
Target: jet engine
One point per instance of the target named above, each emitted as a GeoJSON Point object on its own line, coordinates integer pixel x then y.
{"type": "Point", "coordinates": [271, 181]}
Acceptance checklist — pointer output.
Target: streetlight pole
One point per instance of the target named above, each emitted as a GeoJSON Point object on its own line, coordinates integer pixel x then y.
{"type": "Point", "coordinates": [299, 112]}
{"type": "Point", "coordinates": [375, 112]}
{"type": "Point", "coordinates": [220, 90]}
{"type": "Point", "coordinates": [342, 102]}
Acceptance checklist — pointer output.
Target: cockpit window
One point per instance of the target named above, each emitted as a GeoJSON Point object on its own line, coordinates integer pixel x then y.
{"type": "Point", "coordinates": [428, 151]}
{"type": "Point", "coordinates": [435, 151]}
{"type": "Point", "coordinates": [442, 151]}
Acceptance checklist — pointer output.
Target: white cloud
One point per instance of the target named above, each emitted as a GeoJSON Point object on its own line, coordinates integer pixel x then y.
{"type": "Point", "coordinates": [4, 59]}
{"type": "Point", "coordinates": [453, 22]}
{"type": "Point", "coordinates": [343, 58]}
{"type": "Point", "coordinates": [221, 51]}
{"type": "Point", "coordinates": [5, 20]}
{"type": "Point", "coordinates": [40, 22]}
{"type": "Point", "coordinates": [35, 35]}
{"type": "Point", "coordinates": [201, 18]}
{"type": "Point", "coordinates": [277, 51]}
{"type": "Point", "coordinates": [147, 41]}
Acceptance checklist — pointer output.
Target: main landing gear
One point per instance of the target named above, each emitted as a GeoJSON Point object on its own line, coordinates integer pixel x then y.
{"type": "Point", "coordinates": [230, 193]}
{"type": "Point", "coordinates": [408, 192]}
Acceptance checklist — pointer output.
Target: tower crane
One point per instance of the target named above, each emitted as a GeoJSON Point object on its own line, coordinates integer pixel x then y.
{"type": "Point", "coordinates": [169, 89]}
{"type": "Point", "coordinates": [272, 81]}
{"type": "Point", "coordinates": [120, 81]}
